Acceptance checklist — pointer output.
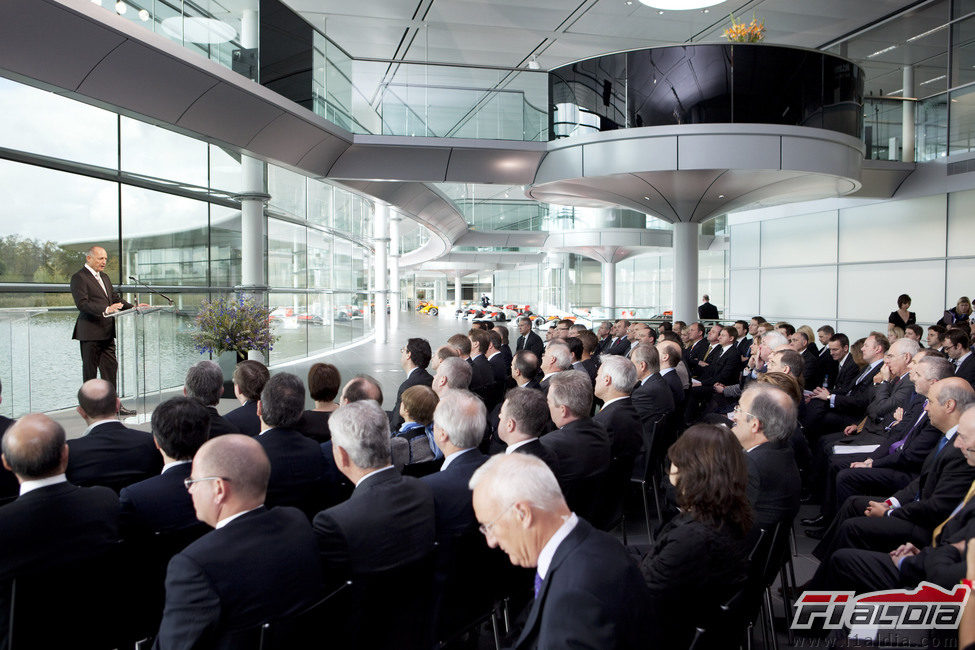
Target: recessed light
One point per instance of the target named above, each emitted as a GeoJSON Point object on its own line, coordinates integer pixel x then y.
{"type": "Point", "coordinates": [660, 12]}
{"type": "Point", "coordinates": [879, 52]}
{"type": "Point", "coordinates": [629, 2]}
{"type": "Point", "coordinates": [120, 7]}
{"type": "Point", "coordinates": [931, 81]}
{"type": "Point", "coordinates": [705, 11]}
{"type": "Point", "coordinates": [681, 5]}
{"type": "Point", "coordinates": [647, 198]}
{"type": "Point", "coordinates": [721, 196]}
{"type": "Point", "coordinates": [143, 15]}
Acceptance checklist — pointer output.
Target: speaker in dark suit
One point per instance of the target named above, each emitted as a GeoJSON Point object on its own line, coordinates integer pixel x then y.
{"type": "Point", "coordinates": [95, 297]}
{"type": "Point", "coordinates": [242, 419]}
{"type": "Point", "coordinates": [112, 455]}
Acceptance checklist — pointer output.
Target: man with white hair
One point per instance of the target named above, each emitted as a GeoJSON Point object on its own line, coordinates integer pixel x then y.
{"type": "Point", "coordinates": [652, 397]}
{"type": "Point", "coordinates": [452, 373]}
{"type": "Point", "coordinates": [588, 592]}
{"type": "Point", "coordinates": [458, 427]}
{"type": "Point", "coordinates": [389, 520]}
{"type": "Point", "coordinates": [614, 383]}
{"type": "Point", "coordinates": [557, 358]}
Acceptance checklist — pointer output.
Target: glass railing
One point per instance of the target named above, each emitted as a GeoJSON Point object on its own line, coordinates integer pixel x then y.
{"type": "Point", "coordinates": [883, 124]}
{"type": "Point", "coordinates": [932, 127]}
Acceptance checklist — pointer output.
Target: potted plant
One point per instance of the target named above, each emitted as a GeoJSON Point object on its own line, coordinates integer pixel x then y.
{"type": "Point", "coordinates": [228, 327]}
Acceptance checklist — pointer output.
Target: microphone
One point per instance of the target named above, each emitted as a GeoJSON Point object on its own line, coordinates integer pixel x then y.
{"type": "Point", "coordinates": [163, 296]}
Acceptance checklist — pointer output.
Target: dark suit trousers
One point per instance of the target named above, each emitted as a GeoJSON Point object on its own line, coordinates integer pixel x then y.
{"type": "Point", "coordinates": [852, 529]}
{"type": "Point", "coordinates": [852, 569]}
{"type": "Point", "coordinates": [98, 357]}
{"type": "Point", "coordinates": [881, 480]}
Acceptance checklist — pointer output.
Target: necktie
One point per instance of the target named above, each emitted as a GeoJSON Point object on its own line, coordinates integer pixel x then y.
{"type": "Point", "coordinates": [940, 527]}
{"type": "Point", "coordinates": [538, 584]}
{"type": "Point", "coordinates": [900, 443]}
{"type": "Point", "coordinates": [710, 350]}
{"type": "Point", "coordinates": [941, 445]}
{"type": "Point", "coordinates": [862, 376]}
{"type": "Point", "coordinates": [98, 279]}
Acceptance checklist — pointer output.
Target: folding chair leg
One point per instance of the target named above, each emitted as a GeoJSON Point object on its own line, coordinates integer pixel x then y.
{"type": "Point", "coordinates": [770, 620]}
{"type": "Point", "coordinates": [792, 541]}
{"type": "Point", "coordinates": [504, 613]}
{"type": "Point", "coordinates": [646, 511]}
{"type": "Point", "coordinates": [623, 525]}
{"type": "Point", "coordinates": [494, 629]}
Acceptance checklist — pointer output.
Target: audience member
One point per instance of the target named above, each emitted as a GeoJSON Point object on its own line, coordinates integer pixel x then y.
{"type": "Point", "coordinates": [524, 370]}
{"type": "Point", "coordinates": [249, 379]}
{"type": "Point", "coordinates": [524, 417]}
{"type": "Point", "coordinates": [619, 343]}
{"type": "Point", "coordinates": [651, 396]}
{"type": "Point", "coordinates": [413, 442]}
{"type": "Point", "coordinates": [614, 384]}
{"type": "Point", "coordinates": [204, 381]}
{"type": "Point", "coordinates": [936, 337]}
{"type": "Point", "coordinates": [556, 359]}
{"type": "Point", "coordinates": [362, 387]}
{"type": "Point", "coordinates": [960, 313]}
{"type": "Point", "coordinates": [414, 357]}
{"type": "Point", "coordinates": [957, 346]}
{"type": "Point", "coordinates": [443, 352]}
{"type": "Point", "coordinates": [324, 382]}
{"type": "Point", "coordinates": [453, 373]}
{"type": "Point", "coordinates": [528, 339]}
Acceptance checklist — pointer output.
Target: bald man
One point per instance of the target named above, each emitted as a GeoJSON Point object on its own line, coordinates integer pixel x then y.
{"type": "Point", "coordinates": [96, 298]}
{"type": "Point", "coordinates": [257, 565]}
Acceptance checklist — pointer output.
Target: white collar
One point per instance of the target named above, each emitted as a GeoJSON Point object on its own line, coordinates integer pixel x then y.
{"type": "Point", "coordinates": [93, 271]}
{"type": "Point", "coordinates": [97, 423]}
{"type": "Point", "coordinates": [843, 360]}
{"type": "Point", "coordinates": [724, 348]}
{"type": "Point", "coordinates": [664, 371]}
{"type": "Point", "coordinates": [226, 520]}
{"type": "Point", "coordinates": [28, 486]}
{"type": "Point", "coordinates": [512, 447]}
{"type": "Point", "coordinates": [412, 370]}
{"type": "Point", "coordinates": [476, 356]}
{"type": "Point", "coordinates": [963, 357]}
{"type": "Point", "coordinates": [494, 355]}
{"type": "Point", "coordinates": [375, 471]}
{"type": "Point", "coordinates": [449, 459]}
{"type": "Point", "coordinates": [552, 545]}
{"type": "Point", "coordinates": [175, 463]}
{"type": "Point", "coordinates": [551, 374]}
{"type": "Point", "coordinates": [615, 399]}
{"type": "Point", "coordinates": [950, 433]}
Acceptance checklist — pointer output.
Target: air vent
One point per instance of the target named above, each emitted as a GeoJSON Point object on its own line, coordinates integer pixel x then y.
{"type": "Point", "coordinates": [961, 167]}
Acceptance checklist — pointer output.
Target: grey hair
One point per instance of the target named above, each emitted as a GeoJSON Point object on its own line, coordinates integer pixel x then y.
{"type": "Point", "coordinates": [362, 430]}
{"type": "Point", "coordinates": [463, 416]}
{"type": "Point", "coordinates": [961, 393]}
{"type": "Point", "coordinates": [204, 381]}
{"type": "Point", "coordinates": [773, 339]}
{"type": "Point", "coordinates": [621, 372]}
{"type": "Point", "coordinates": [646, 353]}
{"type": "Point", "coordinates": [457, 371]}
{"type": "Point", "coordinates": [560, 353]}
{"type": "Point", "coordinates": [510, 478]}
{"type": "Point", "coordinates": [773, 407]}
{"type": "Point", "coordinates": [934, 368]}
{"type": "Point", "coordinates": [572, 389]}
{"type": "Point", "coordinates": [524, 319]}
{"type": "Point", "coordinates": [907, 346]}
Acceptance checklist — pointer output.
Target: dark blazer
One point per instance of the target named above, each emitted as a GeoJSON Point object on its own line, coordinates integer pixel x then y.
{"type": "Point", "coordinates": [722, 370]}
{"type": "Point", "coordinates": [9, 485]}
{"type": "Point", "coordinates": [508, 356]}
{"type": "Point", "coordinates": [243, 419]}
{"type": "Point", "coordinates": [388, 521]}
{"type": "Point", "coordinates": [841, 378]}
{"type": "Point", "coordinates": [673, 382]}
{"type": "Point", "coordinates": [314, 425]}
{"type": "Point", "coordinates": [922, 438]}
{"type": "Point", "coordinates": [160, 503]}
{"type": "Point", "coordinates": [452, 496]}
{"type": "Point", "coordinates": [219, 424]}
{"type": "Point", "coordinates": [887, 396]}
{"type": "Point", "coordinates": [500, 368]}
{"type": "Point", "coordinates": [482, 376]}
{"type": "Point", "coordinates": [260, 566]}
{"type": "Point", "coordinates": [537, 449]}
{"type": "Point", "coordinates": [588, 366]}
{"type": "Point", "coordinates": [967, 370]}
{"type": "Point", "coordinates": [620, 347]}
{"type": "Point", "coordinates": [624, 426]}
{"type": "Point", "coordinates": [774, 485]}
{"type": "Point", "coordinates": [855, 400]}
{"type": "Point", "coordinates": [695, 353]}
{"type": "Point", "coordinates": [744, 346]}
{"type": "Point", "coordinates": [707, 311]}
{"type": "Point", "coordinates": [417, 377]}
{"type": "Point", "coordinates": [92, 302]}
{"type": "Point", "coordinates": [531, 342]}
{"type": "Point", "coordinates": [687, 554]}
{"type": "Point", "coordinates": [813, 371]}
{"type": "Point", "coordinates": [582, 447]}
{"type": "Point", "coordinates": [943, 564]}
{"type": "Point", "coordinates": [930, 498]}
{"type": "Point", "coordinates": [653, 398]}
{"type": "Point", "coordinates": [112, 455]}
{"type": "Point", "coordinates": [297, 470]}
{"type": "Point", "coordinates": [592, 597]}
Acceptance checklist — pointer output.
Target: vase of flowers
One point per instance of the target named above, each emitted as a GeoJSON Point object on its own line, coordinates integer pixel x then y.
{"type": "Point", "coordinates": [742, 32]}
{"type": "Point", "coordinates": [229, 327]}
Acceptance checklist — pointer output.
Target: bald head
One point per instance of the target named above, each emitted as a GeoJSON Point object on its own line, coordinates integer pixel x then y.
{"type": "Point", "coordinates": [97, 399]}
{"type": "Point", "coordinates": [241, 461]}
{"type": "Point", "coordinates": [34, 448]}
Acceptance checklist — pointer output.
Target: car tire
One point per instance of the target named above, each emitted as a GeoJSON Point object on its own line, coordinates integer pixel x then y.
{"type": "Point", "coordinates": [434, 312]}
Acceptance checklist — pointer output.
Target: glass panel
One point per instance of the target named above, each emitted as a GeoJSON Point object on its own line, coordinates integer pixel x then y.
{"type": "Point", "coordinates": [51, 125]}
{"type": "Point", "coordinates": [287, 190]}
{"type": "Point", "coordinates": [225, 171]}
{"type": "Point", "coordinates": [745, 249]}
{"type": "Point", "coordinates": [289, 321]}
{"type": "Point", "coordinates": [319, 260]}
{"type": "Point", "coordinates": [320, 202]}
{"type": "Point", "coordinates": [155, 152]}
{"type": "Point", "coordinates": [44, 240]}
{"type": "Point", "coordinates": [817, 299]}
{"type": "Point", "coordinates": [347, 312]}
{"type": "Point", "coordinates": [962, 135]}
{"type": "Point", "coordinates": [743, 298]}
{"type": "Point", "coordinates": [342, 273]}
{"type": "Point", "coordinates": [816, 231]}
{"type": "Point", "coordinates": [321, 322]}
{"type": "Point", "coordinates": [869, 291]}
{"type": "Point", "coordinates": [883, 125]}
{"type": "Point", "coordinates": [225, 242]}
{"type": "Point", "coordinates": [165, 252]}
{"type": "Point", "coordinates": [932, 128]}
{"type": "Point", "coordinates": [286, 258]}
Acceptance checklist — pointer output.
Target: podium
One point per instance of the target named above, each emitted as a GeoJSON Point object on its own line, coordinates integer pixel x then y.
{"type": "Point", "coordinates": [148, 346]}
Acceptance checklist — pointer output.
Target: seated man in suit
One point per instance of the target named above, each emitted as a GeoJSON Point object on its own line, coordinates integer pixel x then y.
{"type": "Point", "coordinates": [651, 396]}
{"type": "Point", "coordinates": [524, 370]}
{"type": "Point", "coordinates": [619, 344]}
{"type": "Point", "coordinates": [458, 426]}
{"type": "Point", "coordinates": [180, 426]}
{"type": "Point", "coordinates": [362, 387]}
{"type": "Point", "coordinates": [204, 381]}
{"type": "Point", "coordinates": [557, 358]}
{"type": "Point", "coordinates": [500, 368]}
{"type": "Point", "coordinates": [671, 362]}
{"type": "Point", "coordinates": [588, 591]}
{"type": "Point", "coordinates": [109, 453]}
{"type": "Point", "coordinates": [764, 419]}
{"type": "Point", "coordinates": [912, 513]}
{"type": "Point", "coordinates": [257, 565]}
{"type": "Point", "coordinates": [528, 339]}
{"type": "Point", "coordinates": [614, 383]}
{"type": "Point", "coordinates": [811, 367]}
{"type": "Point", "coordinates": [958, 348]}
{"type": "Point", "coordinates": [389, 520]}
{"type": "Point", "coordinates": [297, 465]}
{"type": "Point", "coordinates": [524, 417]}
{"type": "Point", "coordinates": [840, 380]}
{"type": "Point", "coordinates": [249, 379]}
{"type": "Point", "coordinates": [453, 373]}
{"type": "Point", "coordinates": [414, 359]}
{"type": "Point", "coordinates": [505, 348]}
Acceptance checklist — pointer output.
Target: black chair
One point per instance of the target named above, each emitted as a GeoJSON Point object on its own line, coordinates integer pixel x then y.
{"type": "Point", "coordinates": [417, 470]}
{"type": "Point", "coordinates": [649, 467]}
{"type": "Point", "coordinates": [310, 627]}
{"type": "Point", "coordinates": [584, 495]}
{"type": "Point", "coordinates": [611, 512]}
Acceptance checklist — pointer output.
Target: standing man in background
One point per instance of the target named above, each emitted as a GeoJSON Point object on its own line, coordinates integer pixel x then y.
{"type": "Point", "coordinates": [96, 298]}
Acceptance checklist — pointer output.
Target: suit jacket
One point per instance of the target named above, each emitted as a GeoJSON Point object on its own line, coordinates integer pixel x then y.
{"type": "Point", "coordinates": [887, 396]}
{"type": "Point", "coordinates": [531, 342]}
{"type": "Point", "coordinates": [695, 353]}
{"type": "Point", "coordinates": [673, 381]}
{"type": "Point", "coordinates": [582, 447]}
{"type": "Point", "coordinates": [418, 377]}
{"type": "Point", "coordinates": [724, 369]}
{"type": "Point", "coordinates": [482, 376]}
{"type": "Point", "coordinates": [388, 521]}
{"type": "Point", "coordinates": [922, 437]}
{"type": "Point", "coordinates": [943, 564]}
{"type": "Point", "coordinates": [592, 597]}
{"type": "Point", "coordinates": [112, 455]}
{"type": "Point", "coordinates": [297, 470]}
{"type": "Point", "coordinates": [588, 366]}
{"type": "Point", "coordinates": [452, 496]}
{"type": "Point", "coordinates": [160, 503]}
{"type": "Point", "coordinates": [744, 346]}
{"type": "Point", "coordinates": [967, 370]}
{"type": "Point", "coordinates": [624, 426]}
{"type": "Point", "coordinates": [813, 372]}
{"type": "Point", "coordinates": [943, 482]}
{"type": "Point", "coordinates": [537, 449]}
{"type": "Point", "coordinates": [707, 311]}
{"type": "Point", "coordinates": [773, 483]}
{"type": "Point", "coordinates": [620, 347]}
{"type": "Point", "coordinates": [858, 396]}
{"type": "Point", "coordinates": [653, 398]}
{"type": "Point", "coordinates": [219, 424]}
{"type": "Point", "coordinates": [243, 419]}
{"type": "Point", "coordinates": [92, 302]}
{"type": "Point", "coordinates": [840, 381]}
{"type": "Point", "coordinates": [260, 566]}
{"type": "Point", "coordinates": [9, 485]}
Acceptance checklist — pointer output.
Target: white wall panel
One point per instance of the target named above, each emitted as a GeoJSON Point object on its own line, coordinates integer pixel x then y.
{"type": "Point", "coordinates": [744, 298]}
{"type": "Point", "coordinates": [799, 292]}
{"type": "Point", "coordinates": [857, 329]}
{"type": "Point", "coordinates": [961, 224]}
{"type": "Point", "coordinates": [868, 292]}
{"type": "Point", "coordinates": [908, 229]}
{"type": "Point", "coordinates": [961, 282]}
{"type": "Point", "coordinates": [744, 245]}
{"type": "Point", "coordinates": [806, 239]}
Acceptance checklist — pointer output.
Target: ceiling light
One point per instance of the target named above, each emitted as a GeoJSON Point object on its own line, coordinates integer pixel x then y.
{"type": "Point", "coordinates": [879, 52]}
{"type": "Point", "coordinates": [721, 196]}
{"type": "Point", "coordinates": [681, 5]}
{"type": "Point", "coordinates": [629, 2]}
{"type": "Point", "coordinates": [931, 81]}
{"type": "Point", "coordinates": [120, 7]}
{"type": "Point", "coordinates": [660, 12]}
{"type": "Point", "coordinates": [647, 198]}
{"type": "Point", "coordinates": [705, 11]}
{"type": "Point", "coordinates": [927, 33]}
{"type": "Point", "coordinates": [143, 15]}
{"type": "Point", "coordinates": [533, 64]}
{"type": "Point", "coordinates": [894, 92]}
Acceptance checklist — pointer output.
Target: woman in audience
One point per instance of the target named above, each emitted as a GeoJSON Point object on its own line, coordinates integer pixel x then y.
{"type": "Point", "coordinates": [323, 385]}
{"type": "Point", "coordinates": [960, 313]}
{"type": "Point", "coordinates": [413, 443]}
{"type": "Point", "coordinates": [700, 557]}
{"type": "Point", "coordinates": [810, 336]}
{"type": "Point", "coordinates": [915, 332]}
{"type": "Point", "coordinates": [894, 332]}
{"type": "Point", "coordinates": [856, 351]}
{"type": "Point", "coordinates": [903, 316]}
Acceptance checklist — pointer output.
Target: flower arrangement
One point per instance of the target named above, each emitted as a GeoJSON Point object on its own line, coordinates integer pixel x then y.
{"type": "Point", "coordinates": [740, 32]}
{"type": "Point", "coordinates": [233, 325]}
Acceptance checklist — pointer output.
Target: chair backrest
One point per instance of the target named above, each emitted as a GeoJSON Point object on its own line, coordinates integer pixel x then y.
{"type": "Point", "coordinates": [609, 513]}
{"type": "Point", "coordinates": [584, 495]}
{"type": "Point", "coordinates": [644, 467]}
{"type": "Point", "coordinates": [417, 470]}
{"type": "Point", "coordinates": [309, 627]}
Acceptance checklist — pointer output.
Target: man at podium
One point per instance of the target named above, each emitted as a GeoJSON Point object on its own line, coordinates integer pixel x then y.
{"type": "Point", "coordinates": [96, 298]}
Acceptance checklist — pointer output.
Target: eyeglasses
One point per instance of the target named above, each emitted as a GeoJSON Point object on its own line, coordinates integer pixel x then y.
{"type": "Point", "coordinates": [486, 528]}
{"type": "Point", "coordinates": [188, 482]}
{"type": "Point", "coordinates": [737, 411]}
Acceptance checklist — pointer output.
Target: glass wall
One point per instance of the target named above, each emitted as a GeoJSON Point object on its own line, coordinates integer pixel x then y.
{"type": "Point", "coordinates": [161, 205]}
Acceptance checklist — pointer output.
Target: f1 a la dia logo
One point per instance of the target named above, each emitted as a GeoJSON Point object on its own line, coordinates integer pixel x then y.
{"type": "Point", "coordinates": [927, 607]}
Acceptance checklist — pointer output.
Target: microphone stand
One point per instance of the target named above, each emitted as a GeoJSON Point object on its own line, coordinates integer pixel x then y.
{"type": "Point", "coordinates": [161, 295]}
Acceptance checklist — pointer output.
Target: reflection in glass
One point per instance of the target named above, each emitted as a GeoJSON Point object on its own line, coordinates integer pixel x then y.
{"type": "Point", "coordinates": [224, 246]}
{"type": "Point", "coordinates": [290, 321]}
{"type": "Point", "coordinates": [287, 190]}
{"type": "Point", "coordinates": [155, 152]}
{"type": "Point", "coordinates": [285, 254]}
{"type": "Point", "coordinates": [164, 238]}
